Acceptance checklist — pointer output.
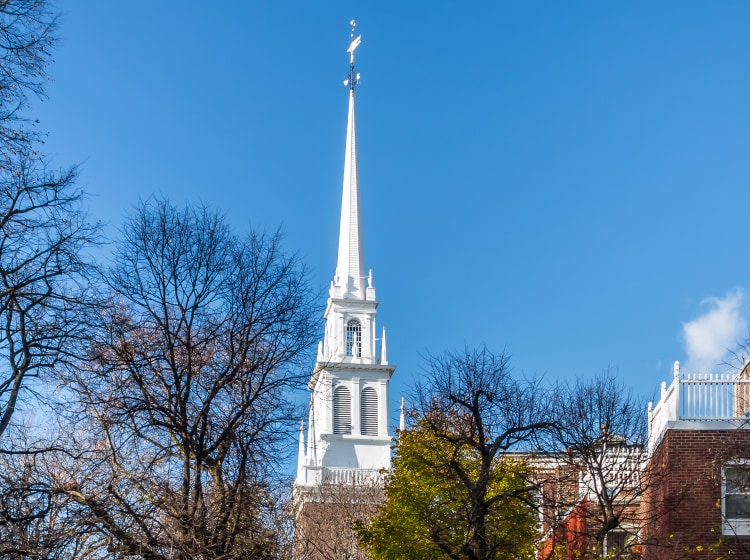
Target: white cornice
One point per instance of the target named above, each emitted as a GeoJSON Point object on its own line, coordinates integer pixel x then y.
{"type": "Point", "coordinates": [348, 367]}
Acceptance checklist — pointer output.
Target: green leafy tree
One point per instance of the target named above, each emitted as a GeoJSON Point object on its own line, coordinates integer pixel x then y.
{"type": "Point", "coordinates": [458, 489]}
{"type": "Point", "coordinates": [430, 513]}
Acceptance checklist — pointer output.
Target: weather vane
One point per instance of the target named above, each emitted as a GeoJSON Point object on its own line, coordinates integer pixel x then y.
{"type": "Point", "coordinates": [353, 78]}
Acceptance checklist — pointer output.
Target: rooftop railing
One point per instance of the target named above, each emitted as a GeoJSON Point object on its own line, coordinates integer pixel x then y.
{"type": "Point", "coordinates": [701, 398]}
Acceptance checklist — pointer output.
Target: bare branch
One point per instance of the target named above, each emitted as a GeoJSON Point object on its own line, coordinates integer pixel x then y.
{"type": "Point", "coordinates": [185, 392]}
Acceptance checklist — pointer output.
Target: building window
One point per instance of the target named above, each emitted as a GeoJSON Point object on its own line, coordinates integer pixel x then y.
{"type": "Point", "coordinates": [342, 411]}
{"type": "Point", "coordinates": [615, 543]}
{"type": "Point", "coordinates": [735, 502]}
{"type": "Point", "coordinates": [354, 338]}
{"type": "Point", "coordinates": [369, 412]}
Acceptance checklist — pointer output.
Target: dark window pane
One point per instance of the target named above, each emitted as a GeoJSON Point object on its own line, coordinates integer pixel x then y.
{"type": "Point", "coordinates": [737, 479]}
{"type": "Point", "coordinates": [737, 506]}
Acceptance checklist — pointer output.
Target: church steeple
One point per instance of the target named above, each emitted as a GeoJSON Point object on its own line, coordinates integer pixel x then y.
{"type": "Point", "coordinates": [347, 432]}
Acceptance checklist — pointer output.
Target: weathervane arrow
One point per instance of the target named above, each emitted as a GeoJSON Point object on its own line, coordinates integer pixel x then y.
{"type": "Point", "coordinates": [353, 78]}
{"type": "Point", "coordinates": [354, 45]}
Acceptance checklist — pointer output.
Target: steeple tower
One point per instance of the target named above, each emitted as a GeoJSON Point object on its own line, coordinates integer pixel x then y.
{"type": "Point", "coordinates": [347, 431]}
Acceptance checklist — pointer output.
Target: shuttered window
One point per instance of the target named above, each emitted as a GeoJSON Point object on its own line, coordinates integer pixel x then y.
{"type": "Point", "coordinates": [369, 412]}
{"type": "Point", "coordinates": [342, 411]}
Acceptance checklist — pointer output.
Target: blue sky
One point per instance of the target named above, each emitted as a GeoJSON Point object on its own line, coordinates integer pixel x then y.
{"type": "Point", "coordinates": [568, 181]}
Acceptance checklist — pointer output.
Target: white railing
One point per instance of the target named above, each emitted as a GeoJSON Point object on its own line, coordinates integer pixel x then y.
{"type": "Point", "coordinates": [699, 398]}
{"type": "Point", "coordinates": [317, 476]}
{"type": "Point", "coordinates": [350, 476]}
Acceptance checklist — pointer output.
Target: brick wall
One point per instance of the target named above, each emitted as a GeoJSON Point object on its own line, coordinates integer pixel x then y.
{"type": "Point", "coordinates": [681, 503]}
{"type": "Point", "coordinates": [325, 517]}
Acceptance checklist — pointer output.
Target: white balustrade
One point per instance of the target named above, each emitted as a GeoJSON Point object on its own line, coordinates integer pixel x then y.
{"type": "Point", "coordinates": [316, 476]}
{"type": "Point", "coordinates": [704, 398]}
{"type": "Point", "coordinates": [355, 477]}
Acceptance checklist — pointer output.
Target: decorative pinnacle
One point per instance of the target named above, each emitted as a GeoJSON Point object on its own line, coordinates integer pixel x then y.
{"type": "Point", "coordinates": [352, 79]}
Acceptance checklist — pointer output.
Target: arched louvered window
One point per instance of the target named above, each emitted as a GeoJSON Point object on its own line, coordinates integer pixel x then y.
{"type": "Point", "coordinates": [369, 412]}
{"type": "Point", "coordinates": [342, 411]}
{"type": "Point", "coordinates": [354, 338]}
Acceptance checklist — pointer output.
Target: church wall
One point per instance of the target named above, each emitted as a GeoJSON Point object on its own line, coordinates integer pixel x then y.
{"type": "Point", "coordinates": [326, 519]}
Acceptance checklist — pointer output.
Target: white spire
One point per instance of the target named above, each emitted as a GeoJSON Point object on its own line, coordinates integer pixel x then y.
{"type": "Point", "coordinates": [402, 423]}
{"type": "Point", "coordinates": [383, 350]}
{"type": "Point", "coordinates": [312, 456]}
{"type": "Point", "coordinates": [301, 451]}
{"type": "Point", "coordinates": [351, 264]}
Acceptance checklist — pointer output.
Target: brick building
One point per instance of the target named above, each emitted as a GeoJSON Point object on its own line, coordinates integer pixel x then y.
{"type": "Point", "coordinates": [696, 502]}
{"type": "Point", "coordinates": [687, 495]}
{"type": "Point", "coordinates": [590, 501]}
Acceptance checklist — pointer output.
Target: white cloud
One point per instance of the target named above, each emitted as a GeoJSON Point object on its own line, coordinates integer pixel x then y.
{"type": "Point", "coordinates": [709, 338]}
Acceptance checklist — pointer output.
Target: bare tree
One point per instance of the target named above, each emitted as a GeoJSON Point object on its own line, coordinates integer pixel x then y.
{"type": "Point", "coordinates": [43, 235]}
{"type": "Point", "coordinates": [36, 519]}
{"type": "Point", "coordinates": [27, 34]}
{"type": "Point", "coordinates": [185, 397]}
{"type": "Point", "coordinates": [601, 437]}
{"type": "Point", "coordinates": [502, 413]}
{"type": "Point", "coordinates": [43, 230]}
